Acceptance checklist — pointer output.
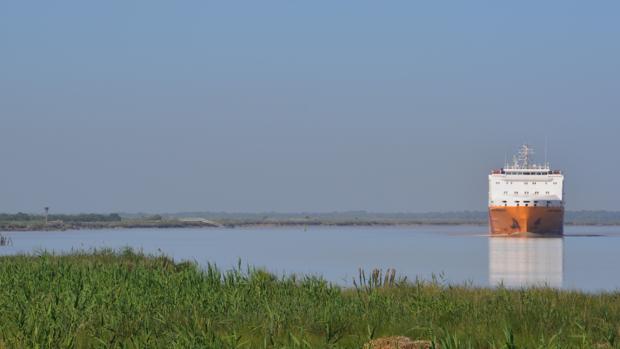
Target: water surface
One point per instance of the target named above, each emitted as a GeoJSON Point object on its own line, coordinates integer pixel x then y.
{"type": "Point", "coordinates": [586, 258]}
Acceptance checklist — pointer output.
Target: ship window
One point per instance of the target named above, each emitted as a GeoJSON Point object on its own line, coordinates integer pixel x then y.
{"type": "Point", "coordinates": [534, 183]}
{"type": "Point", "coordinates": [525, 183]}
{"type": "Point", "coordinates": [516, 193]}
{"type": "Point", "coordinates": [505, 193]}
{"type": "Point", "coordinates": [547, 193]}
{"type": "Point", "coordinates": [527, 193]}
{"type": "Point", "coordinates": [496, 182]}
{"type": "Point", "coordinates": [526, 205]}
{"type": "Point", "coordinates": [555, 182]}
{"type": "Point", "coordinates": [535, 193]}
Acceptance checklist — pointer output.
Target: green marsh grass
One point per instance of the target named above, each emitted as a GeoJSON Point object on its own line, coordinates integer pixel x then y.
{"type": "Point", "coordinates": [124, 299]}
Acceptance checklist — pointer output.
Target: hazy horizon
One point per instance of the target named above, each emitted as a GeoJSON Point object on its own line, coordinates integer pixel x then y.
{"type": "Point", "coordinates": [155, 106]}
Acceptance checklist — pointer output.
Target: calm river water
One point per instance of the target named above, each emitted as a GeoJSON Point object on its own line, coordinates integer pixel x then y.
{"type": "Point", "coordinates": [586, 258]}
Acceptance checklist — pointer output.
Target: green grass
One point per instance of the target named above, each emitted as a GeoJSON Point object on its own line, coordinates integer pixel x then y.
{"type": "Point", "coordinates": [128, 300]}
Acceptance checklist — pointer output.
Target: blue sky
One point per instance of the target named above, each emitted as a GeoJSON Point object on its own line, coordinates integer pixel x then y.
{"type": "Point", "coordinates": [164, 106]}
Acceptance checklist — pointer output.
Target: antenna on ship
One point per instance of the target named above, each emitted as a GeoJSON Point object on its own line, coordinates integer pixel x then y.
{"type": "Point", "coordinates": [524, 155]}
{"type": "Point", "coordinates": [546, 146]}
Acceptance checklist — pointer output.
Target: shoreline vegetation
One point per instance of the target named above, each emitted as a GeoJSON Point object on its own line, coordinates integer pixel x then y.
{"type": "Point", "coordinates": [37, 222]}
{"type": "Point", "coordinates": [125, 299]}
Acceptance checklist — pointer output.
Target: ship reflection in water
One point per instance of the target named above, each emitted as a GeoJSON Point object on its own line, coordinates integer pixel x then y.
{"type": "Point", "coordinates": [521, 262]}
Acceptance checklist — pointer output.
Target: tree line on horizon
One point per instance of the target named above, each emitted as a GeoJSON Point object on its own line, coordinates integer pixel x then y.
{"type": "Point", "coordinates": [71, 218]}
{"type": "Point", "coordinates": [583, 217]}
{"type": "Point", "coordinates": [573, 217]}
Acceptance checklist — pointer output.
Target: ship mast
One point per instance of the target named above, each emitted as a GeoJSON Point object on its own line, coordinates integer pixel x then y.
{"type": "Point", "coordinates": [525, 153]}
{"type": "Point", "coordinates": [524, 160]}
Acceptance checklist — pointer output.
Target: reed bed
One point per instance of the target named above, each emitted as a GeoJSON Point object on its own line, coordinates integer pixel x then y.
{"type": "Point", "coordinates": [5, 240]}
{"type": "Point", "coordinates": [124, 299]}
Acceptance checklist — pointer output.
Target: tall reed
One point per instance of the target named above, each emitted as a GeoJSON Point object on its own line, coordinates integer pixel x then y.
{"type": "Point", "coordinates": [5, 240]}
{"type": "Point", "coordinates": [124, 299]}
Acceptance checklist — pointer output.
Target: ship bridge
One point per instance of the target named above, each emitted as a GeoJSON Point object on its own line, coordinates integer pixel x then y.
{"type": "Point", "coordinates": [524, 183]}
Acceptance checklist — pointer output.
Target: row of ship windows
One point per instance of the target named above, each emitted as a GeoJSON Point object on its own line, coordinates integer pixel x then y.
{"type": "Point", "coordinates": [526, 193]}
{"type": "Point", "coordinates": [533, 183]}
{"type": "Point", "coordinates": [527, 203]}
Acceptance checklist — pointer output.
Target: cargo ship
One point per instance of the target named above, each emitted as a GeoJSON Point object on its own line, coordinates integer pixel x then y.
{"type": "Point", "coordinates": [526, 198]}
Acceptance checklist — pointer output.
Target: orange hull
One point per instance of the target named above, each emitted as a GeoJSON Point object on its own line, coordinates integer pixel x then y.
{"type": "Point", "coordinates": [509, 220]}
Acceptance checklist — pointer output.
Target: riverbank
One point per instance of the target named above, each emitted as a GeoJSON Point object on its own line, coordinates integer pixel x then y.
{"type": "Point", "coordinates": [166, 224]}
{"type": "Point", "coordinates": [29, 222]}
{"type": "Point", "coordinates": [124, 224]}
{"type": "Point", "coordinates": [131, 300]}
{"type": "Point", "coordinates": [176, 223]}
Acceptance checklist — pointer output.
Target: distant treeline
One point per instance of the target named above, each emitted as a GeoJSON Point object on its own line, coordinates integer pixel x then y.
{"type": "Point", "coordinates": [329, 218]}
{"type": "Point", "coordinates": [584, 217]}
{"type": "Point", "coordinates": [592, 217]}
{"type": "Point", "coordinates": [342, 215]}
{"type": "Point", "coordinates": [71, 218]}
